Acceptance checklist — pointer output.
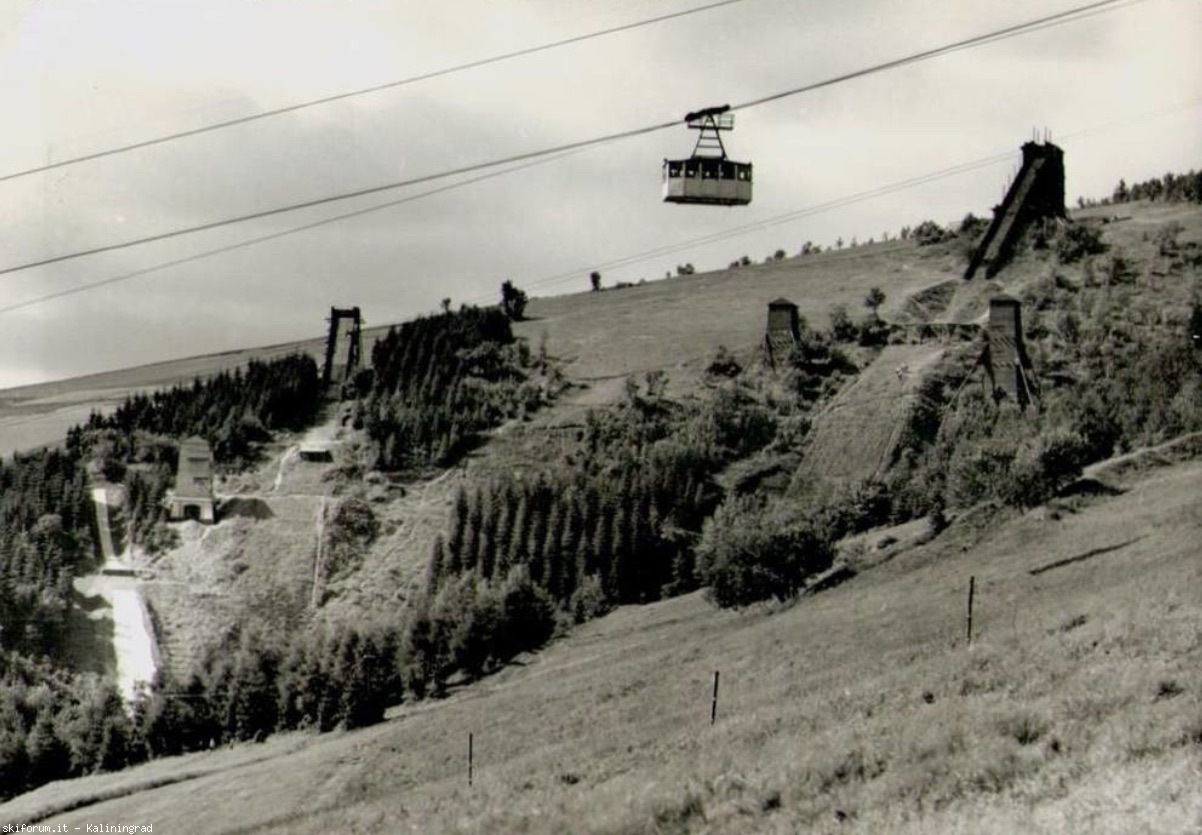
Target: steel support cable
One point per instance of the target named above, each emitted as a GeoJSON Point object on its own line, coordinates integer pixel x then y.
{"type": "Point", "coordinates": [1058, 19]}
{"type": "Point", "coordinates": [71, 291]}
{"type": "Point", "coordinates": [840, 202]}
{"type": "Point", "coordinates": [1010, 31]}
{"type": "Point", "coordinates": [551, 280]}
{"type": "Point", "coordinates": [559, 278]}
{"type": "Point", "coordinates": [414, 79]}
{"type": "Point", "coordinates": [334, 198]}
{"type": "Point", "coordinates": [776, 220]}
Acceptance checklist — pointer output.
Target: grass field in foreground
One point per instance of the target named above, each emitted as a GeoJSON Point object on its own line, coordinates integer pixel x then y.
{"type": "Point", "coordinates": [1078, 708]}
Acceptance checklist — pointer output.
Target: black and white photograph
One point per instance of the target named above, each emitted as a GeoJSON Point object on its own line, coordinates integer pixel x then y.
{"type": "Point", "coordinates": [643, 417]}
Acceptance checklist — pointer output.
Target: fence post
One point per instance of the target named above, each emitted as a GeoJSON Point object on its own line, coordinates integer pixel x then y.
{"type": "Point", "coordinates": [469, 759]}
{"type": "Point", "coordinates": [714, 701]}
{"type": "Point", "coordinates": [972, 584]}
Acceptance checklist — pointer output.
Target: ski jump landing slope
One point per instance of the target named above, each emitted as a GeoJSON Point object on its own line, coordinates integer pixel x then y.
{"type": "Point", "coordinates": [853, 438]}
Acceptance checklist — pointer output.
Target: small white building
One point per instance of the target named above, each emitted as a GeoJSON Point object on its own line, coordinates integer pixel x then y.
{"type": "Point", "coordinates": [193, 497]}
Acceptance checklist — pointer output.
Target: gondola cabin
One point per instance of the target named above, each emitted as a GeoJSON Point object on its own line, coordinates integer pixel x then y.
{"type": "Point", "coordinates": [708, 177]}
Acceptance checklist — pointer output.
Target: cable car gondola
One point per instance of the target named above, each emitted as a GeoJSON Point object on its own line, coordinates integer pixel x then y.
{"type": "Point", "coordinates": [708, 178]}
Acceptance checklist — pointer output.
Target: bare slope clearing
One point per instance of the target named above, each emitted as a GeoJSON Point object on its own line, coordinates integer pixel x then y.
{"type": "Point", "coordinates": [853, 437]}
{"type": "Point", "coordinates": [112, 607]}
{"type": "Point", "coordinates": [117, 601]}
{"type": "Point", "coordinates": [258, 558]}
{"type": "Point", "coordinates": [1077, 708]}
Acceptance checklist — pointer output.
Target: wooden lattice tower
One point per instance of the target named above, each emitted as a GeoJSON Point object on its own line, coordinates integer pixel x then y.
{"type": "Point", "coordinates": [344, 346]}
{"type": "Point", "coordinates": [783, 333]}
{"type": "Point", "coordinates": [1007, 364]}
{"type": "Point", "coordinates": [1037, 193]}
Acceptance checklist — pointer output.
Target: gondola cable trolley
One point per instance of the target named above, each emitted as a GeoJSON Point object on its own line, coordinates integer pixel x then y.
{"type": "Point", "coordinates": [708, 177]}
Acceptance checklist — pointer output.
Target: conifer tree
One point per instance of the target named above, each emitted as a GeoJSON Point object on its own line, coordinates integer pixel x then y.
{"type": "Point", "coordinates": [519, 552]}
{"type": "Point", "coordinates": [437, 567]}
{"type": "Point", "coordinates": [538, 543]}
{"type": "Point", "coordinates": [472, 534]}
{"type": "Point", "coordinates": [503, 544]}
{"type": "Point", "coordinates": [490, 525]}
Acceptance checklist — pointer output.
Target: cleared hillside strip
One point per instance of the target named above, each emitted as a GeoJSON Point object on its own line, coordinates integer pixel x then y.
{"type": "Point", "coordinates": [854, 437]}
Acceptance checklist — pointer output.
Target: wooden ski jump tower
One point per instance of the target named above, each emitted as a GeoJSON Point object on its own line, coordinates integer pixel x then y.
{"type": "Point", "coordinates": [344, 346]}
{"type": "Point", "coordinates": [783, 332]}
{"type": "Point", "coordinates": [1006, 362]}
{"type": "Point", "coordinates": [1037, 193]}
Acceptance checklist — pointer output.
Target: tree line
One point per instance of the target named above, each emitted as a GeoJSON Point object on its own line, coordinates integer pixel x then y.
{"type": "Point", "coordinates": [46, 536]}
{"type": "Point", "coordinates": [616, 521]}
{"type": "Point", "coordinates": [232, 410]}
{"type": "Point", "coordinates": [56, 723]}
{"type": "Point", "coordinates": [442, 380]}
{"type": "Point", "coordinates": [1171, 188]}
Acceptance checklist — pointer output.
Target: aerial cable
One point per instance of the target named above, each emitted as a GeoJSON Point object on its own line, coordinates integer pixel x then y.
{"type": "Point", "coordinates": [334, 198]}
{"type": "Point", "coordinates": [776, 220]}
{"type": "Point", "coordinates": [838, 203]}
{"type": "Point", "coordinates": [555, 279]}
{"type": "Point", "coordinates": [645, 255]}
{"type": "Point", "coordinates": [1067, 16]}
{"type": "Point", "coordinates": [414, 79]}
{"type": "Point", "coordinates": [1010, 31]}
{"type": "Point", "coordinates": [83, 288]}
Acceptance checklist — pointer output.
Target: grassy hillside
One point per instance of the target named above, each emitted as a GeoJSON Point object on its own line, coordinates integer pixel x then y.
{"type": "Point", "coordinates": [857, 707]}
{"type": "Point", "coordinates": [676, 324]}
{"type": "Point", "coordinates": [1078, 707]}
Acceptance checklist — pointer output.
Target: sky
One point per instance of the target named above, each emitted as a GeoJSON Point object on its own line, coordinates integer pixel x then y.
{"type": "Point", "coordinates": [1121, 92]}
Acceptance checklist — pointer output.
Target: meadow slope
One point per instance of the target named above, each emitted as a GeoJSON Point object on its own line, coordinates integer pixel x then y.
{"type": "Point", "coordinates": [1078, 707]}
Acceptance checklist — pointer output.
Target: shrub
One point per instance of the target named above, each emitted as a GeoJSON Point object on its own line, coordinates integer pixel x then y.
{"type": "Point", "coordinates": [1166, 238]}
{"type": "Point", "coordinates": [874, 300]}
{"type": "Point", "coordinates": [1076, 241]}
{"type": "Point", "coordinates": [527, 614]}
{"type": "Point", "coordinates": [513, 301]}
{"type": "Point", "coordinates": [874, 332]}
{"type": "Point", "coordinates": [976, 470]}
{"type": "Point", "coordinates": [353, 526]}
{"type": "Point", "coordinates": [857, 509]}
{"type": "Point", "coordinates": [971, 225]}
{"type": "Point", "coordinates": [588, 601]}
{"type": "Point", "coordinates": [928, 232]}
{"type": "Point", "coordinates": [736, 423]}
{"type": "Point", "coordinates": [843, 329]}
{"type": "Point", "coordinates": [1043, 468]}
{"type": "Point", "coordinates": [750, 553]}
{"type": "Point", "coordinates": [1119, 270]}
{"type": "Point", "coordinates": [724, 364]}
